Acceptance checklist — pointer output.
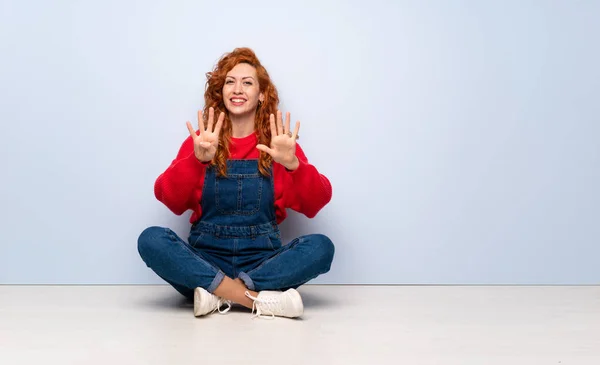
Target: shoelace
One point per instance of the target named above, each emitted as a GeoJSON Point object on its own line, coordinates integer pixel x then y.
{"type": "Point", "coordinates": [220, 303]}
{"type": "Point", "coordinates": [272, 305]}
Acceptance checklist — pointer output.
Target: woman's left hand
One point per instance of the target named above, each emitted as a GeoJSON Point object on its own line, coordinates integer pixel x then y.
{"type": "Point", "coordinates": [283, 142]}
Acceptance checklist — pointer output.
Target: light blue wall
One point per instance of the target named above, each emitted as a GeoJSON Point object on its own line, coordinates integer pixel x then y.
{"type": "Point", "coordinates": [461, 137]}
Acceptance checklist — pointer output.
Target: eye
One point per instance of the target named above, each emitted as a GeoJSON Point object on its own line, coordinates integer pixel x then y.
{"type": "Point", "coordinates": [229, 82]}
{"type": "Point", "coordinates": [248, 83]}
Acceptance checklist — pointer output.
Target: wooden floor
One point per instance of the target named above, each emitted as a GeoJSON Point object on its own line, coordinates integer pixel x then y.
{"type": "Point", "coordinates": [342, 325]}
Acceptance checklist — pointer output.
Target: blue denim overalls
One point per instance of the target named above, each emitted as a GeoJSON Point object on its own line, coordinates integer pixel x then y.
{"type": "Point", "coordinates": [237, 236]}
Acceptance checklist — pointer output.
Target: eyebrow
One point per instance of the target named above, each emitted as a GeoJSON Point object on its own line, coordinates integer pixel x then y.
{"type": "Point", "coordinates": [245, 77]}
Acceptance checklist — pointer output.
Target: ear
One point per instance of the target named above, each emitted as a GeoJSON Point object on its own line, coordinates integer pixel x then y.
{"type": "Point", "coordinates": [261, 97]}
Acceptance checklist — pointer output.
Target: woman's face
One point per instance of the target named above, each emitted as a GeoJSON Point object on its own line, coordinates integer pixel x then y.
{"type": "Point", "coordinates": [241, 92]}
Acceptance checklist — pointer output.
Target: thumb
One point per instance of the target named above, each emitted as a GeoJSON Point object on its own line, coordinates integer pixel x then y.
{"type": "Point", "coordinates": [265, 149]}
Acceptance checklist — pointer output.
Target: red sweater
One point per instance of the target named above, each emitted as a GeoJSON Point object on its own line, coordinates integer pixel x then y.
{"type": "Point", "coordinates": [304, 190]}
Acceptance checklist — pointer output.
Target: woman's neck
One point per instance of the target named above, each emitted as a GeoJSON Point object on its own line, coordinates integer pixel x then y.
{"type": "Point", "coordinates": [242, 125]}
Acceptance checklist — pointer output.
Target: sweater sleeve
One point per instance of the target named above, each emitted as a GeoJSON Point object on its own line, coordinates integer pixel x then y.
{"type": "Point", "coordinates": [178, 186]}
{"type": "Point", "coordinates": [305, 189]}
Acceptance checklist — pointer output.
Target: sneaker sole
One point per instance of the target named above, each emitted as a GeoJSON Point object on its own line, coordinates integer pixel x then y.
{"type": "Point", "coordinates": [299, 309]}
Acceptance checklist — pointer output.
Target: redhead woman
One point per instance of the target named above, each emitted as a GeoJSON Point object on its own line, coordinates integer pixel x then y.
{"type": "Point", "coordinates": [238, 174]}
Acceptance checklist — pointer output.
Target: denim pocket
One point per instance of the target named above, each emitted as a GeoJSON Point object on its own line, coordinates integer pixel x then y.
{"type": "Point", "coordinates": [238, 194]}
{"type": "Point", "coordinates": [274, 239]}
{"type": "Point", "coordinates": [257, 245]}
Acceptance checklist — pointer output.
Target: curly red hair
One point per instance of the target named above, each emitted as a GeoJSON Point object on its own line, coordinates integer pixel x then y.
{"type": "Point", "coordinates": [213, 97]}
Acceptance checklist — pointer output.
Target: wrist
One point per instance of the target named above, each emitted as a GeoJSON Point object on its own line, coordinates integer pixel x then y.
{"type": "Point", "coordinates": [293, 165]}
{"type": "Point", "coordinates": [202, 161]}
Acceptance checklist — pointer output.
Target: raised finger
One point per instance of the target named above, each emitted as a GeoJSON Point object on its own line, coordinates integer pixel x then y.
{"type": "Point", "coordinates": [211, 117]}
{"type": "Point", "coordinates": [279, 123]}
{"type": "Point", "coordinates": [200, 121]}
{"type": "Point", "coordinates": [219, 123]}
{"type": "Point", "coordinates": [191, 130]}
{"type": "Point", "coordinates": [296, 130]}
{"type": "Point", "coordinates": [286, 127]}
{"type": "Point", "coordinates": [273, 130]}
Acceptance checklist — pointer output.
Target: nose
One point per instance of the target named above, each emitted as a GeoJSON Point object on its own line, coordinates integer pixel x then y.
{"type": "Point", "coordinates": [237, 88]}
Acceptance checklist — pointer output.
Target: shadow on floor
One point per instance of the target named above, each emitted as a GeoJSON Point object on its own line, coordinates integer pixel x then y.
{"type": "Point", "coordinates": [177, 301]}
{"type": "Point", "coordinates": [312, 300]}
{"type": "Point", "coordinates": [172, 300]}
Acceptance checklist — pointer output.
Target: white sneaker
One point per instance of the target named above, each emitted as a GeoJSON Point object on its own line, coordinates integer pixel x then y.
{"type": "Point", "coordinates": [276, 303]}
{"type": "Point", "coordinates": [206, 303]}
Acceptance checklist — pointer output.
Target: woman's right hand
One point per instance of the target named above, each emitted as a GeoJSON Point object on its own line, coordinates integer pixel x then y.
{"type": "Point", "coordinates": [207, 142]}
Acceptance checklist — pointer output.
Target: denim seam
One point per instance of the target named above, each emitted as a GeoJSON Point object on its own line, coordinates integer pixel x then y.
{"type": "Point", "coordinates": [206, 175]}
{"type": "Point", "coordinates": [270, 242]}
{"type": "Point", "coordinates": [239, 197]}
{"type": "Point", "coordinates": [195, 255]}
{"type": "Point", "coordinates": [234, 256]}
{"type": "Point", "coordinates": [256, 230]}
{"type": "Point", "coordinates": [287, 248]}
{"type": "Point", "coordinates": [200, 236]}
{"type": "Point", "coordinates": [272, 212]}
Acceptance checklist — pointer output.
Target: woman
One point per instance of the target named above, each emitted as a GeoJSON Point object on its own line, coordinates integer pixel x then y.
{"type": "Point", "coordinates": [238, 175]}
